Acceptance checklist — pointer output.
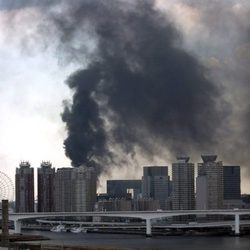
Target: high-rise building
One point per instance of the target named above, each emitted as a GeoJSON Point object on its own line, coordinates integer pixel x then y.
{"type": "Point", "coordinates": [183, 184]}
{"type": "Point", "coordinates": [24, 188]}
{"type": "Point", "coordinates": [121, 188]}
{"type": "Point", "coordinates": [201, 192]}
{"type": "Point", "coordinates": [84, 189]}
{"type": "Point", "coordinates": [75, 189]}
{"type": "Point", "coordinates": [155, 184]}
{"type": "Point", "coordinates": [231, 175]}
{"type": "Point", "coordinates": [210, 172]}
{"type": "Point", "coordinates": [46, 187]}
{"type": "Point", "coordinates": [63, 190]}
{"type": "Point", "coordinates": [232, 192]}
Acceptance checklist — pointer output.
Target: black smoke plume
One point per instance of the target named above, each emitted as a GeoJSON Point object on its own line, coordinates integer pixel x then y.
{"type": "Point", "coordinates": [139, 90]}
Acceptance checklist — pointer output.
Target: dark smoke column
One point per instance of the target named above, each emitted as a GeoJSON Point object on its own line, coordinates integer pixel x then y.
{"type": "Point", "coordinates": [86, 136]}
{"type": "Point", "coordinates": [139, 89]}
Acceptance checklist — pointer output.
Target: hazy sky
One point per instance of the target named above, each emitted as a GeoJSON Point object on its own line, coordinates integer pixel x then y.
{"type": "Point", "coordinates": [34, 69]}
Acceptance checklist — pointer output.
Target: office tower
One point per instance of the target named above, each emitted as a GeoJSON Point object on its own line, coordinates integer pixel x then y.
{"type": "Point", "coordinates": [24, 188]}
{"type": "Point", "coordinates": [231, 176]}
{"type": "Point", "coordinates": [84, 181]}
{"type": "Point", "coordinates": [183, 184]}
{"type": "Point", "coordinates": [124, 188]}
{"type": "Point", "coordinates": [155, 184]}
{"type": "Point", "coordinates": [63, 190]}
{"type": "Point", "coordinates": [209, 183]}
{"type": "Point", "coordinates": [232, 192]}
{"type": "Point", "coordinates": [46, 187]}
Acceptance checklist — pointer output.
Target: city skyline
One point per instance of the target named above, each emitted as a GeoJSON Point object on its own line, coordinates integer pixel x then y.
{"type": "Point", "coordinates": [101, 187]}
{"type": "Point", "coordinates": [34, 70]}
{"type": "Point", "coordinates": [182, 172]}
{"type": "Point", "coordinates": [74, 189]}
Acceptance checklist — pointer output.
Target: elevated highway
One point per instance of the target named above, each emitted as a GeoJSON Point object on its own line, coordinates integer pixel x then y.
{"type": "Point", "coordinates": [148, 216]}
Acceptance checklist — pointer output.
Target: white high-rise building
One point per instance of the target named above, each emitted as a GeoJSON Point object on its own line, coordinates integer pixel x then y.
{"type": "Point", "coordinates": [183, 184]}
{"type": "Point", "coordinates": [210, 174]}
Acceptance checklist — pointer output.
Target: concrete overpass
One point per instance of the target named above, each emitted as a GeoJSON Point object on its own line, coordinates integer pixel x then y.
{"type": "Point", "coordinates": [148, 216]}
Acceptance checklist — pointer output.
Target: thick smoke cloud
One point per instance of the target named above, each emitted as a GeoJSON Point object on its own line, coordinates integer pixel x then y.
{"type": "Point", "coordinates": [20, 4]}
{"type": "Point", "coordinates": [224, 43]}
{"type": "Point", "coordinates": [86, 133]}
{"type": "Point", "coordinates": [138, 90]}
{"type": "Point", "coordinates": [137, 93]}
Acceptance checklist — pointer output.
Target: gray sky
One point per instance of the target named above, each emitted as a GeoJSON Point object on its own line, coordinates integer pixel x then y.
{"type": "Point", "coordinates": [33, 72]}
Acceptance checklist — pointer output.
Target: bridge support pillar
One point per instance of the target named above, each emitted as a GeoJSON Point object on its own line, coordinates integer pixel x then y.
{"type": "Point", "coordinates": [148, 228]}
{"type": "Point", "coordinates": [237, 224]}
{"type": "Point", "coordinates": [17, 226]}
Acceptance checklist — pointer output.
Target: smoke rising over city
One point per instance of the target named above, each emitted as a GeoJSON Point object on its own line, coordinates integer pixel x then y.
{"type": "Point", "coordinates": [139, 87]}
{"type": "Point", "coordinates": [144, 88]}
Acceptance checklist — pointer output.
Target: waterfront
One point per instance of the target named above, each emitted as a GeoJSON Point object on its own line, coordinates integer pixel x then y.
{"type": "Point", "coordinates": [140, 241]}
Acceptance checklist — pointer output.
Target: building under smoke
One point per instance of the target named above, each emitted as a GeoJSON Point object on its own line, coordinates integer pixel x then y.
{"type": "Point", "coordinates": [209, 183]}
{"type": "Point", "coordinates": [124, 188]}
{"type": "Point", "coordinates": [232, 190]}
{"type": "Point", "coordinates": [63, 190]}
{"type": "Point", "coordinates": [83, 181]}
{"type": "Point", "coordinates": [156, 184]}
{"type": "Point", "coordinates": [75, 189]}
{"type": "Point", "coordinates": [183, 184]}
{"type": "Point", "coordinates": [231, 178]}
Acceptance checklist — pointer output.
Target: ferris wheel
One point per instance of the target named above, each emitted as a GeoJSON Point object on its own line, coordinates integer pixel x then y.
{"type": "Point", "coordinates": [6, 187]}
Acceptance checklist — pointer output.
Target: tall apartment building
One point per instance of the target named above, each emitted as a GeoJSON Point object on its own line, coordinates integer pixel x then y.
{"type": "Point", "coordinates": [183, 184]}
{"type": "Point", "coordinates": [75, 189]}
{"type": "Point", "coordinates": [84, 181]}
{"type": "Point", "coordinates": [209, 183]}
{"type": "Point", "coordinates": [155, 184]}
{"type": "Point", "coordinates": [46, 187]}
{"type": "Point", "coordinates": [63, 190]}
{"type": "Point", "coordinates": [24, 185]}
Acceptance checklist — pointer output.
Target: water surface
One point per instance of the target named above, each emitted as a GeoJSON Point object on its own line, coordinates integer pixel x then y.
{"type": "Point", "coordinates": [140, 241]}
